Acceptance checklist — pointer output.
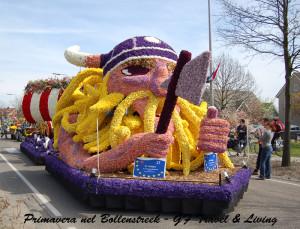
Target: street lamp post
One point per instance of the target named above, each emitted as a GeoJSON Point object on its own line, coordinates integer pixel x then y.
{"type": "Point", "coordinates": [210, 64]}
{"type": "Point", "coordinates": [58, 74]}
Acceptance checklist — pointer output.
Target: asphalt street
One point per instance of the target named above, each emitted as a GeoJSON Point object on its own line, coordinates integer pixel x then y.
{"type": "Point", "coordinates": [28, 189]}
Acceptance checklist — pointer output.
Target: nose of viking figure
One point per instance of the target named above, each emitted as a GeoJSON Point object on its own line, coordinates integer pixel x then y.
{"type": "Point", "coordinates": [160, 75]}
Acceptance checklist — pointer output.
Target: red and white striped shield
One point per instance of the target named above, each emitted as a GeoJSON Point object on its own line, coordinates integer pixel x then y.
{"type": "Point", "coordinates": [38, 107]}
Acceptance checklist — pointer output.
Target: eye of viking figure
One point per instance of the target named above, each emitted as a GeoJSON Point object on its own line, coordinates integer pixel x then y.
{"type": "Point", "coordinates": [133, 70]}
{"type": "Point", "coordinates": [142, 67]}
{"type": "Point", "coordinates": [137, 67]}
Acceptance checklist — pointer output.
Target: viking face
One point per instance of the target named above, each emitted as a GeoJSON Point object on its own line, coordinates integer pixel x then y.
{"type": "Point", "coordinates": [144, 74]}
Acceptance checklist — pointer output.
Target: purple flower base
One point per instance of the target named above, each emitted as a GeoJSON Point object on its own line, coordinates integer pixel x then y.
{"type": "Point", "coordinates": [151, 195]}
{"type": "Point", "coordinates": [35, 150]}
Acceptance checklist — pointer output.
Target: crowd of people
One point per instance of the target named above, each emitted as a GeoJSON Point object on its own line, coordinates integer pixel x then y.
{"type": "Point", "coordinates": [267, 134]}
{"type": "Point", "coordinates": [12, 127]}
{"type": "Point", "coordinates": [4, 127]}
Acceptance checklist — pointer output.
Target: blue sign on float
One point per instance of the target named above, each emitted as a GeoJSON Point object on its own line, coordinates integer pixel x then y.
{"type": "Point", "coordinates": [149, 167]}
{"type": "Point", "coordinates": [210, 162]}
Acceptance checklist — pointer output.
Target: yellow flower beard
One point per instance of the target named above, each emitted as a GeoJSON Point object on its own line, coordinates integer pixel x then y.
{"type": "Point", "coordinates": [87, 97]}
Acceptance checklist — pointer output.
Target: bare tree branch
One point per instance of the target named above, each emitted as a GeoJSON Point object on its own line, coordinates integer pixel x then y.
{"type": "Point", "coordinates": [233, 84]}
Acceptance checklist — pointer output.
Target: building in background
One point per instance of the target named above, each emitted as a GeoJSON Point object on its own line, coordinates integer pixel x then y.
{"type": "Point", "coordinates": [295, 100]}
{"type": "Point", "coordinates": [8, 113]}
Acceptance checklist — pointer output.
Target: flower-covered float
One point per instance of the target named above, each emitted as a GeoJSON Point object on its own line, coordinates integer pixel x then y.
{"type": "Point", "coordinates": [38, 106]}
{"type": "Point", "coordinates": [138, 103]}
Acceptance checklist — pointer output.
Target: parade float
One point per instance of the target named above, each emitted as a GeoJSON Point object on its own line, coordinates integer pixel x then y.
{"type": "Point", "coordinates": [131, 132]}
{"type": "Point", "coordinates": [38, 106]}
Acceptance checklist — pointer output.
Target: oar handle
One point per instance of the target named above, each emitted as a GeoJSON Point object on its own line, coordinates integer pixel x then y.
{"type": "Point", "coordinates": [171, 98]}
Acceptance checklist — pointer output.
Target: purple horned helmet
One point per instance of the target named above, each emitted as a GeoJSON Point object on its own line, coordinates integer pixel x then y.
{"type": "Point", "coordinates": [139, 47]}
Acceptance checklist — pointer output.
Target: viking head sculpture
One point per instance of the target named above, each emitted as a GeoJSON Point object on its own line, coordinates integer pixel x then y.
{"type": "Point", "coordinates": [138, 63]}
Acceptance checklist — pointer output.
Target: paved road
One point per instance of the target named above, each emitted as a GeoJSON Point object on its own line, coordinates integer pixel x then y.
{"type": "Point", "coordinates": [29, 189]}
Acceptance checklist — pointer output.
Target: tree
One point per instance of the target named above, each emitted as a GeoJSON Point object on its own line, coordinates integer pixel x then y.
{"type": "Point", "coordinates": [267, 27]}
{"type": "Point", "coordinates": [269, 110]}
{"type": "Point", "coordinates": [17, 104]}
{"type": "Point", "coordinates": [233, 86]}
{"type": "Point", "coordinates": [255, 110]}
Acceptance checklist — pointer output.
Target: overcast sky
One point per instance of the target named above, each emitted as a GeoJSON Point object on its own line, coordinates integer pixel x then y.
{"type": "Point", "coordinates": [34, 35]}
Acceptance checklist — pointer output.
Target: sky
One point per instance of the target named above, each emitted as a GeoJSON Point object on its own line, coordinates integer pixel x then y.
{"type": "Point", "coordinates": [34, 35]}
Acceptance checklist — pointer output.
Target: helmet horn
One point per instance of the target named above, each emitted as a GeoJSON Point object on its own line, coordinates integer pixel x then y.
{"type": "Point", "coordinates": [74, 56]}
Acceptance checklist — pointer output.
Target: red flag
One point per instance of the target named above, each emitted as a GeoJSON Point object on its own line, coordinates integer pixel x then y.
{"type": "Point", "coordinates": [213, 75]}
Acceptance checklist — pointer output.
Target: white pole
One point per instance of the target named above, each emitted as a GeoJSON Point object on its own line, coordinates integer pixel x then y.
{"type": "Point", "coordinates": [247, 135]}
{"type": "Point", "coordinates": [98, 160]}
{"type": "Point", "coordinates": [210, 64]}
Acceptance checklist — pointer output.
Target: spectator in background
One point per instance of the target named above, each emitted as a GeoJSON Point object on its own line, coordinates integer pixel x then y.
{"type": "Point", "coordinates": [258, 134]}
{"type": "Point", "coordinates": [277, 127]}
{"type": "Point", "coordinates": [241, 133]}
{"type": "Point", "coordinates": [266, 152]}
{"type": "Point", "coordinates": [4, 130]}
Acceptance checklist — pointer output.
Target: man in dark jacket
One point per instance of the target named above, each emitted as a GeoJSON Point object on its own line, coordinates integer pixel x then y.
{"type": "Point", "coordinates": [241, 133]}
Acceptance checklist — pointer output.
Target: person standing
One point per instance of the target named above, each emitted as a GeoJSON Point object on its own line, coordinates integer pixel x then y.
{"type": "Point", "coordinates": [4, 130]}
{"type": "Point", "coordinates": [266, 152]}
{"type": "Point", "coordinates": [277, 127]}
{"type": "Point", "coordinates": [258, 133]}
{"type": "Point", "coordinates": [241, 132]}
